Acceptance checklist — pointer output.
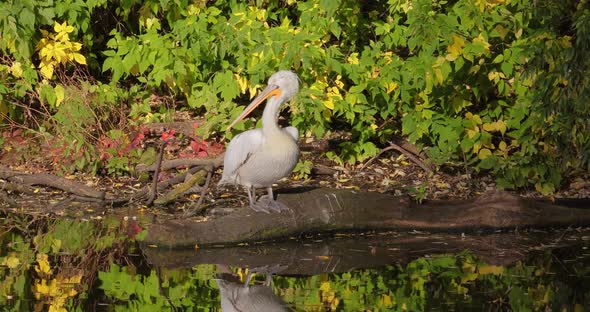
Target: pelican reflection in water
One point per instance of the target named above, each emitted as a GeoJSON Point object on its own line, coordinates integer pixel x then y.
{"type": "Point", "coordinates": [260, 157]}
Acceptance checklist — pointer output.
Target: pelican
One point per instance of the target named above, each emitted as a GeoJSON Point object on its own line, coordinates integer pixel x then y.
{"type": "Point", "coordinates": [260, 157]}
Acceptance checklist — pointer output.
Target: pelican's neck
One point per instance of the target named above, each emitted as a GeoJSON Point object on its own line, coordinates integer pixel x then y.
{"type": "Point", "coordinates": [270, 115]}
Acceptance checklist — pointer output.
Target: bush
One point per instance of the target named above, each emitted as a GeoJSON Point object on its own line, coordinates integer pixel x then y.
{"type": "Point", "coordinates": [499, 86]}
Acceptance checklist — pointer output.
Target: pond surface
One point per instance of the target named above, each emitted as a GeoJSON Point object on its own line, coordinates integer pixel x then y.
{"type": "Point", "coordinates": [50, 264]}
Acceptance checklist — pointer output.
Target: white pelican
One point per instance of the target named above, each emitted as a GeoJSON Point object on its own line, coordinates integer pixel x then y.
{"type": "Point", "coordinates": [260, 157]}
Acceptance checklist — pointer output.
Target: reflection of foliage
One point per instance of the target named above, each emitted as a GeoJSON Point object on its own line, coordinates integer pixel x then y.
{"type": "Point", "coordinates": [51, 265]}
{"type": "Point", "coordinates": [428, 282]}
{"type": "Point", "coordinates": [65, 256]}
{"type": "Point", "coordinates": [54, 290]}
{"type": "Point", "coordinates": [180, 289]}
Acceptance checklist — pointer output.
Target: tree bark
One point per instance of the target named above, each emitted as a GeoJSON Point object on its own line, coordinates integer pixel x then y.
{"type": "Point", "coordinates": [324, 210]}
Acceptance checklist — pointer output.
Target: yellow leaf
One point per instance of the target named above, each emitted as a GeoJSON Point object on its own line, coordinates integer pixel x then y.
{"type": "Point", "coordinates": [57, 52]}
{"type": "Point", "coordinates": [386, 300]}
{"type": "Point", "coordinates": [489, 127]}
{"type": "Point", "coordinates": [60, 94]}
{"type": "Point", "coordinates": [438, 75]}
{"type": "Point", "coordinates": [16, 69]}
{"type": "Point", "coordinates": [334, 92]}
{"type": "Point", "coordinates": [62, 28]}
{"type": "Point", "coordinates": [501, 126]}
{"type": "Point", "coordinates": [325, 286]}
{"type": "Point", "coordinates": [468, 277]}
{"type": "Point", "coordinates": [490, 269]}
{"type": "Point", "coordinates": [75, 46]}
{"type": "Point", "coordinates": [11, 261]}
{"type": "Point", "coordinates": [481, 40]}
{"type": "Point", "coordinates": [455, 48]}
{"type": "Point", "coordinates": [329, 103]}
{"type": "Point", "coordinates": [390, 87]}
{"type": "Point", "coordinates": [468, 266]}
{"type": "Point", "coordinates": [474, 118]}
{"type": "Point", "coordinates": [353, 58]}
{"type": "Point", "coordinates": [495, 76]}
{"type": "Point", "coordinates": [476, 147]}
{"type": "Point", "coordinates": [56, 26]}
{"type": "Point", "coordinates": [41, 287]}
{"type": "Point", "coordinates": [242, 83]}
{"type": "Point", "coordinates": [43, 264]}
{"type": "Point", "coordinates": [339, 82]}
{"type": "Point", "coordinates": [492, 76]}
{"type": "Point", "coordinates": [472, 132]}
{"type": "Point", "coordinates": [79, 58]}
{"type": "Point", "coordinates": [56, 308]}
{"type": "Point", "coordinates": [45, 50]}
{"type": "Point", "coordinates": [484, 153]}
{"type": "Point", "coordinates": [502, 31]}
{"type": "Point", "coordinates": [54, 289]}
{"type": "Point", "coordinates": [502, 146]}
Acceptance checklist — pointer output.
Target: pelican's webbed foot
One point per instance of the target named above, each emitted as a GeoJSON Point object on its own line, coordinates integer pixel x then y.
{"type": "Point", "coordinates": [266, 204]}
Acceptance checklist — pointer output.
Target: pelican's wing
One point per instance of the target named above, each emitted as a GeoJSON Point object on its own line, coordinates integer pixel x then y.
{"type": "Point", "coordinates": [237, 153]}
{"type": "Point", "coordinates": [292, 131]}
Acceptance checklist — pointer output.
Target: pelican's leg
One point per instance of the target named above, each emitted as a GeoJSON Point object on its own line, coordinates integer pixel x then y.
{"type": "Point", "coordinates": [251, 197]}
{"type": "Point", "coordinates": [256, 205]}
{"type": "Point", "coordinates": [271, 203]}
{"type": "Point", "coordinates": [248, 278]}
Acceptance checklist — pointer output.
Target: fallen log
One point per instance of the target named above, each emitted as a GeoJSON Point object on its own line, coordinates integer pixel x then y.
{"type": "Point", "coordinates": [325, 210]}
{"type": "Point", "coordinates": [51, 180]}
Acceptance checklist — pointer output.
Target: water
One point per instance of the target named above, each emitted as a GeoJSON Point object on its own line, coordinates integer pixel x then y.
{"type": "Point", "coordinates": [94, 265]}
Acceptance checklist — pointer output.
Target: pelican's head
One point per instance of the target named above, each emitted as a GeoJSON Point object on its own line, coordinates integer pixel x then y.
{"type": "Point", "coordinates": [283, 85]}
{"type": "Point", "coordinates": [286, 82]}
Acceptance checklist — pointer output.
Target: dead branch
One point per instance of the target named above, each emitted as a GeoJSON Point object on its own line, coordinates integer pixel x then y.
{"type": "Point", "coordinates": [182, 188]}
{"type": "Point", "coordinates": [154, 190]}
{"type": "Point", "coordinates": [197, 207]}
{"type": "Point", "coordinates": [51, 180]}
{"type": "Point", "coordinates": [19, 188]}
{"type": "Point", "coordinates": [183, 162]}
{"type": "Point", "coordinates": [415, 159]}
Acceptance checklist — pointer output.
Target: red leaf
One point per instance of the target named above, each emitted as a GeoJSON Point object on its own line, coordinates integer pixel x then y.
{"type": "Point", "coordinates": [167, 135]}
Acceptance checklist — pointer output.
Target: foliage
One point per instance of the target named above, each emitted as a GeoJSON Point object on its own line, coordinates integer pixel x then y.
{"type": "Point", "coordinates": [494, 86]}
{"type": "Point", "coordinates": [156, 293]}
{"type": "Point", "coordinates": [55, 49]}
{"type": "Point", "coordinates": [303, 169]}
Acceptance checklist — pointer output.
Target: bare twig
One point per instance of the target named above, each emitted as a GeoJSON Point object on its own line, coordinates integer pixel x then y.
{"type": "Point", "coordinates": [5, 185]}
{"type": "Point", "coordinates": [398, 148]}
{"type": "Point", "coordinates": [196, 209]}
{"type": "Point", "coordinates": [188, 185]}
{"type": "Point", "coordinates": [158, 164]}
{"type": "Point", "coordinates": [52, 181]}
{"type": "Point", "coordinates": [184, 162]}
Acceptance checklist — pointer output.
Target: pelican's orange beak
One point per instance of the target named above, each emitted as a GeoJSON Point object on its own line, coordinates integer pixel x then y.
{"type": "Point", "coordinates": [270, 90]}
